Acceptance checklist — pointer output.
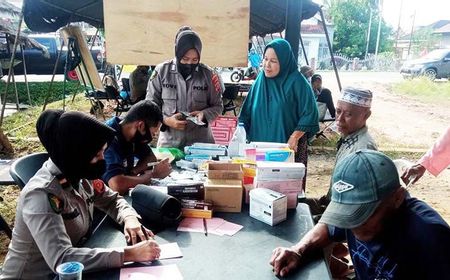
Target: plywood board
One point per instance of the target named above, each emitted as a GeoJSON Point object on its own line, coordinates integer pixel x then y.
{"type": "Point", "coordinates": [143, 32]}
{"type": "Point", "coordinates": [89, 70]}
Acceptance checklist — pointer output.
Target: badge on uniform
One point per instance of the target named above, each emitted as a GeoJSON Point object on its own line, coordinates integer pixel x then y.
{"type": "Point", "coordinates": [56, 203]}
{"type": "Point", "coordinates": [216, 82]}
{"type": "Point", "coordinates": [99, 186]}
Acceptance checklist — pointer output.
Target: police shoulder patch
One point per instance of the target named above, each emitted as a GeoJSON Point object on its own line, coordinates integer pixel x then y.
{"type": "Point", "coordinates": [56, 203]}
{"type": "Point", "coordinates": [216, 82]}
{"type": "Point", "coordinates": [99, 186]}
{"type": "Point", "coordinates": [341, 186]}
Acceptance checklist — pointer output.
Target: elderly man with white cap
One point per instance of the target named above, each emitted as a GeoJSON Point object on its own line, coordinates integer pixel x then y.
{"type": "Point", "coordinates": [390, 234]}
{"type": "Point", "coordinates": [352, 112]}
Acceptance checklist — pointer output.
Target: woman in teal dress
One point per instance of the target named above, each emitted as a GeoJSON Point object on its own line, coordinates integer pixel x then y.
{"type": "Point", "coordinates": [280, 106]}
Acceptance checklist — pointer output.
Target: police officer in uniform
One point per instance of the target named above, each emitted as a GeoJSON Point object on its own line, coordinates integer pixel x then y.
{"type": "Point", "coordinates": [183, 84]}
{"type": "Point", "coordinates": [54, 211]}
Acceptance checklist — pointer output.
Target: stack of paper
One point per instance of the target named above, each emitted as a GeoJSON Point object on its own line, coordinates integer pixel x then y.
{"type": "Point", "coordinates": [217, 226]}
{"type": "Point", "coordinates": [170, 251]}
{"type": "Point", "coordinates": [160, 272]}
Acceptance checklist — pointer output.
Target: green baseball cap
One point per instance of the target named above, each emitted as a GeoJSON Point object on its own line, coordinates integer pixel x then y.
{"type": "Point", "coordinates": [360, 182]}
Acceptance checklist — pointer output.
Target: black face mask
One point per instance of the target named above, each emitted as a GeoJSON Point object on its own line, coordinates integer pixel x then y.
{"type": "Point", "coordinates": [140, 139]}
{"type": "Point", "coordinates": [93, 171]}
{"type": "Point", "coordinates": [186, 69]}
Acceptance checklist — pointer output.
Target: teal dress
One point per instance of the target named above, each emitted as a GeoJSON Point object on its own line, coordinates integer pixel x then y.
{"type": "Point", "coordinates": [276, 107]}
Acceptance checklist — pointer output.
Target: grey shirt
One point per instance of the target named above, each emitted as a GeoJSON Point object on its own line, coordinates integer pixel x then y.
{"type": "Point", "coordinates": [201, 91]}
{"type": "Point", "coordinates": [359, 140]}
{"type": "Point", "coordinates": [52, 218]}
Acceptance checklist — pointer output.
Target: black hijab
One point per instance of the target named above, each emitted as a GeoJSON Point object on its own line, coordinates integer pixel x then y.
{"type": "Point", "coordinates": [185, 41]}
{"type": "Point", "coordinates": [72, 139]}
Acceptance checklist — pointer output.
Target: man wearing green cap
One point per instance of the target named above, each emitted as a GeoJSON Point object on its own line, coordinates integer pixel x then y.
{"type": "Point", "coordinates": [390, 234]}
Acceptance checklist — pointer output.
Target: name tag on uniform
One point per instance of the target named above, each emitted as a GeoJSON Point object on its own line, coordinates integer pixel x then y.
{"type": "Point", "coordinates": [169, 86]}
{"type": "Point", "coordinates": [201, 88]}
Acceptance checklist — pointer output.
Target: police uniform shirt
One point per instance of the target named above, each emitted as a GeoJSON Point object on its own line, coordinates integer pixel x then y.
{"type": "Point", "coordinates": [201, 91]}
{"type": "Point", "coordinates": [53, 219]}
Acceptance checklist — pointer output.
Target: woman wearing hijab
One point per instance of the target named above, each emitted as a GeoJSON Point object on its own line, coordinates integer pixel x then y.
{"type": "Point", "coordinates": [280, 106]}
{"type": "Point", "coordinates": [184, 85]}
{"type": "Point", "coordinates": [54, 210]}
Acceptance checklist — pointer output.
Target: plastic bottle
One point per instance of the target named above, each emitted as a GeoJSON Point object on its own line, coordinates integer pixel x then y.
{"type": "Point", "coordinates": [238, 142]}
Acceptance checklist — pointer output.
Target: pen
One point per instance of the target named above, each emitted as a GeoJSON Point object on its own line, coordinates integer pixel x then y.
{"type": "Point", "coordinates": [152, 164]}
{"type": "Point", "coordinates": [204, 227]}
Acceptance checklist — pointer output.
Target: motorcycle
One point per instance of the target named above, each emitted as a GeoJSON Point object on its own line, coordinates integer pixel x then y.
{"type": "Point", "coordinates": [241, 75]}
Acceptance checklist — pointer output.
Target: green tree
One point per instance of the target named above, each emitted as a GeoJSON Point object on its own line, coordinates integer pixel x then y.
{"type": "Point", "coordinates": [425, 40]}
{"type": "Point", "coordinates": [351, 21]}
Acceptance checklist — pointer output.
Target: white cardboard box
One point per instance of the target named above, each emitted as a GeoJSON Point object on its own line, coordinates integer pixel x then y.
{"type": "Point", "coordinates": [268, 206]}
{"type": "Point", "coordinates": [270, 170]}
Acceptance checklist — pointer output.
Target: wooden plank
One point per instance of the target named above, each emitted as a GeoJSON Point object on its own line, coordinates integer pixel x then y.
{"type": "Point", "coordinates": [143, 32]}
{"type": "Point", "coordinates": [90, 71]}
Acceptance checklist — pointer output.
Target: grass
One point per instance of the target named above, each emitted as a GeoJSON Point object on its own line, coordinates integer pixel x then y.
{"type": "Point", "coordinates": [38, 91]}
{"type": "Point", "coordinates": [21, 126]}
{"type": "Point", "coordinates": [424, 89]}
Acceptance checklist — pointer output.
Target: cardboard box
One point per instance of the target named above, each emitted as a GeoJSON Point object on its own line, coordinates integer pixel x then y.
{"type": "Point", "coordinates": [227, 171]}
{"type": "Point", "coordinates": [268, 170]}
{"type": "Point", "coordinates": [223, 129]}
{"type": "Point", "coordinates": [268, 206]}
{"type": "Point", "coordinates": [291, 188]}
{"type": "Point", "coordinates": [226, 195]}
{"type": "Point", "coordinates": [186, 191]}
{"type": "Point", "coordinates": [196, 213]}
{"type": "Point", "coordinates": [222, 135]}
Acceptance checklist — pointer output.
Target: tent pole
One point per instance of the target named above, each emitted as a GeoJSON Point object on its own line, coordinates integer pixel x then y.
{"type": "Point", "coordinates": [303, 50]}
{"type": "Point", "coordinates": [293, 21]}
{"type": "Point", "coordinates": [15, 90]}
{"type": "Point", "coordinates": [10, 70]}
{"type": "Point", "coordinates": [330, 48]}
{"type": "Point", "coordinates": [25, 74]}
{"type": "Point", "coordinates": [47, 97]}
{"type": "Point", "coordinates": [259, 45]}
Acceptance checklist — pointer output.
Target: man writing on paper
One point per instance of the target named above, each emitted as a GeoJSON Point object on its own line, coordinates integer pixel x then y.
{"type": "Point", "coordinates": [134, 134]}
{"type": "Point", "coordinates": [390, 234]}
{"type": "Point", "coordinates": [184, 85]}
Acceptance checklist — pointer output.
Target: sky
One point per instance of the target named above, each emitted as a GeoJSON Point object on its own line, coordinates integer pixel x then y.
{"type": "Point", "coordinates": [427, 12]}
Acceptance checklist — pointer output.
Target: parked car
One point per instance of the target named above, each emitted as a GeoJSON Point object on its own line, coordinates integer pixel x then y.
{"type": "Point", "coordinates": [39, 62]}
{"type": "Point", "coordinates": [434, 65]}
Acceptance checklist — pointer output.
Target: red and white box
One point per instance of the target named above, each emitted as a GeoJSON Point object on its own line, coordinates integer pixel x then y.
{"type": "Point", "coordinates": [291, 188]}
{"type": "Point", "coordinates": [223, 128]}
{"type": "Point", "coordinates": [279, 171]}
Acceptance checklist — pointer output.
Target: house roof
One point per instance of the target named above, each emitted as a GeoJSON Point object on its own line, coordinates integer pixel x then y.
{"type": "Point", "coordinates": [437, 27]}
{"type": "Point", "coordinates": [438, 24]}
{"type": "Point", "coordinates": [443, 29]}
{"type": "Point", "coordinates": [312, 29]}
